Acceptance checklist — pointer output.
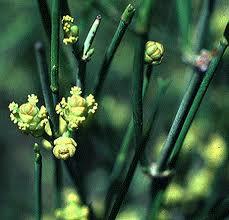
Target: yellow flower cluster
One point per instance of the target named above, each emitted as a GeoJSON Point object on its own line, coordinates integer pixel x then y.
{"type": "Point", "coordinates": [73, 112]}
{"type": "Point", "coordinates": [71, 31]}
{"type": "Point", "coordinates": [28, 117]}
{"type": "Point", "coordinates": [76, 109]}
{"type": "Point", "coordinates": [73, 209]}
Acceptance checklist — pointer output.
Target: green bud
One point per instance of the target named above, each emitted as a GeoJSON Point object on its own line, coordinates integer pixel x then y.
{"type": "Point", "coordinates": [74, 31]}
{"type": "Point", "coordinates": [153, 52]}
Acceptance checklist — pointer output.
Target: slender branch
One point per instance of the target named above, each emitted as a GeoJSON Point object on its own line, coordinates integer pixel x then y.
{"type": "Point", "coordinates": [189, 94]}
{"type": "Point", "coordinates": [185, 105]}
{"type": "Point", "coordinates": [162, 88]}
{"type": "Point", "coordinates": [55, 49]}
{"type": "Point", "coordinates": [45, 16]}
{"type": "Point", "coordinates": [120, 31]}
{"type": "Point", "coordinates": [120, 162]}
{"type": "Point", "coordinates": [143, 26]}
{"type": "Point", "coordinates": [37, 182]}
{"type": "Point", "coordinates": [183, 12]}
{"type": "Point", "coordinates": [55, 90]}
{"type": "Point", "coordinates": [45, 82]}
{"type": "Point", "coordinates": [197, 101]}
{"type": "Point", "coordinates": [137, 122]}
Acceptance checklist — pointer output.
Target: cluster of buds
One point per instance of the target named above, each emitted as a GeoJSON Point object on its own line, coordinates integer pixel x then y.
{"type": "Point", "coordinates": [71, 31]}
{"type": "Point", "coordinates": [73, 208]}
{"type": "Point", "coordinates": [29, 118]}
{"type": "Point", "coordinates": [76, 109]}
{"type": "Point", "coordinates": [33, 120]}
{"type": "Point", "coordinates": [153, 52]}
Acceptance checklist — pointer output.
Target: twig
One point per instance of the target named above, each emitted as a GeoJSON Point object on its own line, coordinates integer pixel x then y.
{"type": "Point", "coordinates": [37, 182]}
{"type": "Point", "coordinates": [121, 29]}
{"type": "Point", "coordinates": [143, 25]}
{"type": "Point", "coordinates": [183, 110]}
{"type": "Point", "coordinates": [120, 162]}
{"type": "Point", "coordinates": [197, 101]}
{"type": "Point", "coordinates": [55, 90]}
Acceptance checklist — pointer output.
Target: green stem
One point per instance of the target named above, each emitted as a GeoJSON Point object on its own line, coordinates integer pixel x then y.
{"type": "Point", "coordinates": [190, 92]}
{"type": "Point", "coordinates": [55, 91]}
{"type": "Point", "coordinates": [45, 16]}
{"type": "Point", "coordinates": [55, 20]}
{"type": "Point", "coordinates": [197, 101]}
{"type": "Point", "coordinates": [120, 162]}
{"type": "Point", "coordinates": [137, 122]}
{"type": "Point", "coordinates": [143, 26]}
{"type": "Point", "coordinates": [155, 196]}
{"type": "Point", "coordinates": [183, 12]}
{"type": "Point", "coordinates": [37, 182]}
{"type": "Point", "coordinates": [121, 29]}
{"type": "Point", "coordinates": [44, 80]}
{"type": "Point", "coordinates": [186, 101]}
{"type": "Point", "coordinates": [162, 87]}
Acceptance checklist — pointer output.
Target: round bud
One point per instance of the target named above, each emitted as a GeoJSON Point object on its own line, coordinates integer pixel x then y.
{"type": "Point", "coordinates": [74, 30]}
{"type": "Point", "coordinates": [153, 52]}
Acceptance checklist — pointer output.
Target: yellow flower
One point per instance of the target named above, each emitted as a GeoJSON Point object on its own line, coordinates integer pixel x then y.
{"type": "Point", "coordinates": [153, 52]}
{"type": "Point", "coordinates": [71, 31]}
{"type": "Point", "coordinates": [28, 117]}
{"type": "Point", "coordinates": [76, 109]}
{"type": "Point", "coordinates": [64, 147]}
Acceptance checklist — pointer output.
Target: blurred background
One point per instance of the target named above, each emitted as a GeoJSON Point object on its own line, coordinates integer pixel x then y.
{"type": "Point", "coordinates": [202, 177]}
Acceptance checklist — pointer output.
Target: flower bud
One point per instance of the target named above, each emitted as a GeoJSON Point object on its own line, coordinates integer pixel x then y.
{"type": "Point", "coordinates": [153, 52]}
{"type": "Point", "coordinates": [28, 117]}
{"type": "Point", "coordinates": [76, 109]}
{"type": "Point", "coordinates": [64, 147]}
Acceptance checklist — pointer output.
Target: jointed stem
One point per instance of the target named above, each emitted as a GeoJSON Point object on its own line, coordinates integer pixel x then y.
{"type": "Point", "coordinates": [37, 182]}
{"type": "Point", "coordinates": [187, 101]}
{"type": "Point", "coordinates": [138, 123]}
{"type": "Point", "coordinates": [55, 89]}
{"type": "Point", "coordinates": [121, 29]}
{"type": "Point", "coordinates": [120, 162]}
{"type": "Point", "coordinates": [143, 25]}
{"type": "Point", "coordinates": [197, 101]}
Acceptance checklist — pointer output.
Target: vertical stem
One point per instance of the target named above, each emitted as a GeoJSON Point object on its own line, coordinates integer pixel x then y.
{"type": "Point", "coordinates": [138, 123]}
{"type": "Point", "coordinates": [142, 26]}
{"type": "Point", "coordinates": [120, 162]}
{"type": "Point", "coordinates": [55, 49]}
{"type": "Point", "coordinates": [37, 181]}
{"type": "Point", "coordinates": [121, 29]}
{"type": "Point", "coordinates": [197, 101]}
{"type": "Point", "coordinates": [183, 11]}
{"type": "Point", "coordinates": [45, 16]}
{"type": "Point", "coordinates": [188, 98]}
{"type": "Point", "coordinates": [45, 82]}
{"type": "Point", "coordinates": [55, 20]}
